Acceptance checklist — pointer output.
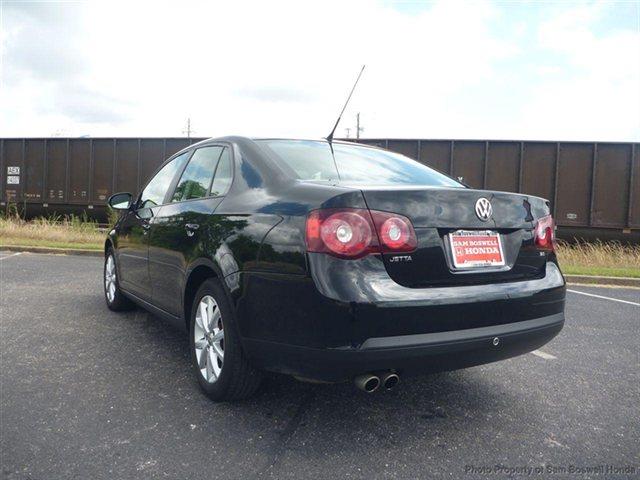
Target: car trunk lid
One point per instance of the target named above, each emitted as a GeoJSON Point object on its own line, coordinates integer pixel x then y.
{"type": "Point", "coordinates": [437, 212]}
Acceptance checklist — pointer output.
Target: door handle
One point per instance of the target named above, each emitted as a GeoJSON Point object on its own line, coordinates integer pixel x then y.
{"type": "Point", "coordinates": [191, 228]}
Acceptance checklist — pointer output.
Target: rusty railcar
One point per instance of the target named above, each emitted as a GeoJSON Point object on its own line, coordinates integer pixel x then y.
{"type": "Point", "coordinates": [593, 187]}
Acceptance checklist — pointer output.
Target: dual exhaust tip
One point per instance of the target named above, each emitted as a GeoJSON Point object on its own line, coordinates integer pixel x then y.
{"type": "Point", "coordinates": [370, 382]}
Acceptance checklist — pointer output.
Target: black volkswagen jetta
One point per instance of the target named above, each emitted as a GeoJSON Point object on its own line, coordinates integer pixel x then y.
{"type": "Point", "coordinates": [332, 262]}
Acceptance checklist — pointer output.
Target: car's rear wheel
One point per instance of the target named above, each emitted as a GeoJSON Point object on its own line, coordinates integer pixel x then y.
{"type": "Point", "coordinates": [116, 300]}
{"type": "Point", "coordinates": [223, 371]}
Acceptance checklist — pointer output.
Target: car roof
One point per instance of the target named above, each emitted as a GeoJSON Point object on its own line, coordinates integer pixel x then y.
{"type": "Point", "coordinates": [242, 139]}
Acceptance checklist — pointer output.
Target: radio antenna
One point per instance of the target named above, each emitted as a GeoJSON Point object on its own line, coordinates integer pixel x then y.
{"type": "Point", "coordinates": [330, 137]}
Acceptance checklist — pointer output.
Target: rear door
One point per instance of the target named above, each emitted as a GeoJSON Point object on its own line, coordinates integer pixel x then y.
{"type": "Point", "coordinates": [133, 233]}
{"type": "Point", "coordinates": [180, 232]}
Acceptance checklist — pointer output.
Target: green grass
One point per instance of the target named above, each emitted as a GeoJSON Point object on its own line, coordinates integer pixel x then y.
{"type": "Point", "coordinates": [55, 232]}
{"type": "Point", "coordinates": [601, 271]}
{"type": "Point", "coordinates": [610, 259]}
{"type": "Point", "coordinates": [20, 242]}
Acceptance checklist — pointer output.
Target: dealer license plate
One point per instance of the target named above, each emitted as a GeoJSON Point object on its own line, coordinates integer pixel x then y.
{"type": "Point", "coordinates": [476, 249]}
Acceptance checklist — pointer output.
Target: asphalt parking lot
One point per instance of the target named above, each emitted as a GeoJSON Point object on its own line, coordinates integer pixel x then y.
{"type": "Point", "coordinates": [88, 393]}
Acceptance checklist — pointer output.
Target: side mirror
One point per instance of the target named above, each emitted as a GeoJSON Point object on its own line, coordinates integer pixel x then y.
{"type": "Point", "coordinates": [120, 201]}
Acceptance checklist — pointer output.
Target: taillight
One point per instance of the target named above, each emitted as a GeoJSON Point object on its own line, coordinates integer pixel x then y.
{"type": "Point", "coordinates": [545, 233]}
{"type": "Point", "coordinates": [395, 232]}
{"type": "Point", "coordinates": [356, 232]}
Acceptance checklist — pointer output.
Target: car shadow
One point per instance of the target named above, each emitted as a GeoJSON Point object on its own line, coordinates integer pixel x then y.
{"type": "Point", "coordinates": [340, 414]}
{"type": "Point", "coordinates": [288, 422]}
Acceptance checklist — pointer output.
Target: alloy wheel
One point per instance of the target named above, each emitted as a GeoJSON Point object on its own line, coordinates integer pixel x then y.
{"type": "Point", "coordinates": [110, 279]}
{"type": "Point", "coordinates": [208, 336]}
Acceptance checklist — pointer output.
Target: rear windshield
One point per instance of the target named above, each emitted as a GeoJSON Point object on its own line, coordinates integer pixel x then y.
{"type": "Point", "coordinates": [312, 160]}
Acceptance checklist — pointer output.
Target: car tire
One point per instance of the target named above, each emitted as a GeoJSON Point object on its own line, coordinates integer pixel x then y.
{"type": "Point", "coordinates": [114, 297]}
{"type": "Point", "coordinates": [221, 367]}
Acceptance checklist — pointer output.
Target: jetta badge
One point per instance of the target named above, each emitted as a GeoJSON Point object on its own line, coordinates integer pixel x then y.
{"type": "Point", "coordinates": [483, 209]}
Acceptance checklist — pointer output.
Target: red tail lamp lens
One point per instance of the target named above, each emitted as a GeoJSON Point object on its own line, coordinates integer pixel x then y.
{"type": "Point", "coordinates": [353, 232]}
{"type": "Point", "coordinates": [545, 233]}
{"type": "Point", "coordinates": [395, 231]}
{"type": "Point", "coordinates": [345, 233]}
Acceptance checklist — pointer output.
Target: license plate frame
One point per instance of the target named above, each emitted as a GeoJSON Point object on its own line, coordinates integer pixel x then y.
{"type": "Point", "coordinates": [483, 239]}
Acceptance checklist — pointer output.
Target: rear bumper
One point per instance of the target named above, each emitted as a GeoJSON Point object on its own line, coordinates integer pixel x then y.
{"type": "Point", "coordinates": [349, 318]}
{"type": "Point", "coordinates": [419, 353]}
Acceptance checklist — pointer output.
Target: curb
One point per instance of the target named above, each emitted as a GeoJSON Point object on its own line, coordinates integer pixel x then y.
{"type": "Point", "coordinates": [600, 280]}
{"type": "Point", "coordinates": [58, 251]}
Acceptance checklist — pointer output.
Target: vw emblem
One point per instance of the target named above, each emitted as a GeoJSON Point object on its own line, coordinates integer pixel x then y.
{"type": "Point", "coordinates": [483, 209]}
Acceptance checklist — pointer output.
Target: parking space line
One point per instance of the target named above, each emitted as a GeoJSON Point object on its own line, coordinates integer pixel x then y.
{"type": "Point", "coordinates": [605, 298]}
{"type": "Point", "coordinates": [9, 256]}
{"type": "Point", "coordinates": [546, 356]}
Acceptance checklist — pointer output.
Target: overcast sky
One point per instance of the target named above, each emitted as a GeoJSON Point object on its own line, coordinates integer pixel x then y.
{"type": "Point", "coordinates": [506, 70]}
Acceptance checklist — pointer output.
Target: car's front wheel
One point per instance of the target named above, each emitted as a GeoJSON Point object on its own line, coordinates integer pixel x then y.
{"type": "Point", "coordinates": [116, 300]}
{"type": "Point", "coordinates": [223, 371]}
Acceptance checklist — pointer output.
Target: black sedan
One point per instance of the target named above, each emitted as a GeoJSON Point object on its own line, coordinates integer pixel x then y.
{"type": "Point", "coordinates": [332, 261]}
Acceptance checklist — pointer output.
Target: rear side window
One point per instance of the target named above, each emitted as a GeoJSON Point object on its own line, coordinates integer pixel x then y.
{"type": "Point", "coordinates": [224, 175]}
{"type": "Point", "coordinates": [312, 160]}
{"type": "Point", "coordinates": [196, 178]}
{"type": "Point", "coordinates": [155, 191]}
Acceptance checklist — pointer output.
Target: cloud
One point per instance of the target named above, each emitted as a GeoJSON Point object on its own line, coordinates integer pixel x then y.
{"type": "Point", "coordinates": [84, 105]}
{"type": "Point", "coordinates": [43, 41]}
{"type": "Point", "coordinates": [47, 67]}
{"type": "Point", "coordinates": [447, 69]}
{"type": "Point", "coordinates": [273, 93]}
{"type": "Point", "coordinates": [592, 80]}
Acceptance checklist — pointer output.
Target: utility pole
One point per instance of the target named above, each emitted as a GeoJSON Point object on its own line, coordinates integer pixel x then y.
{"type": "Point", "coordinates": [188, 130]}
{"type": "Point", "coordinates": [348, 131]}
{"type": "Point", "coordinates": [358, 127]}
